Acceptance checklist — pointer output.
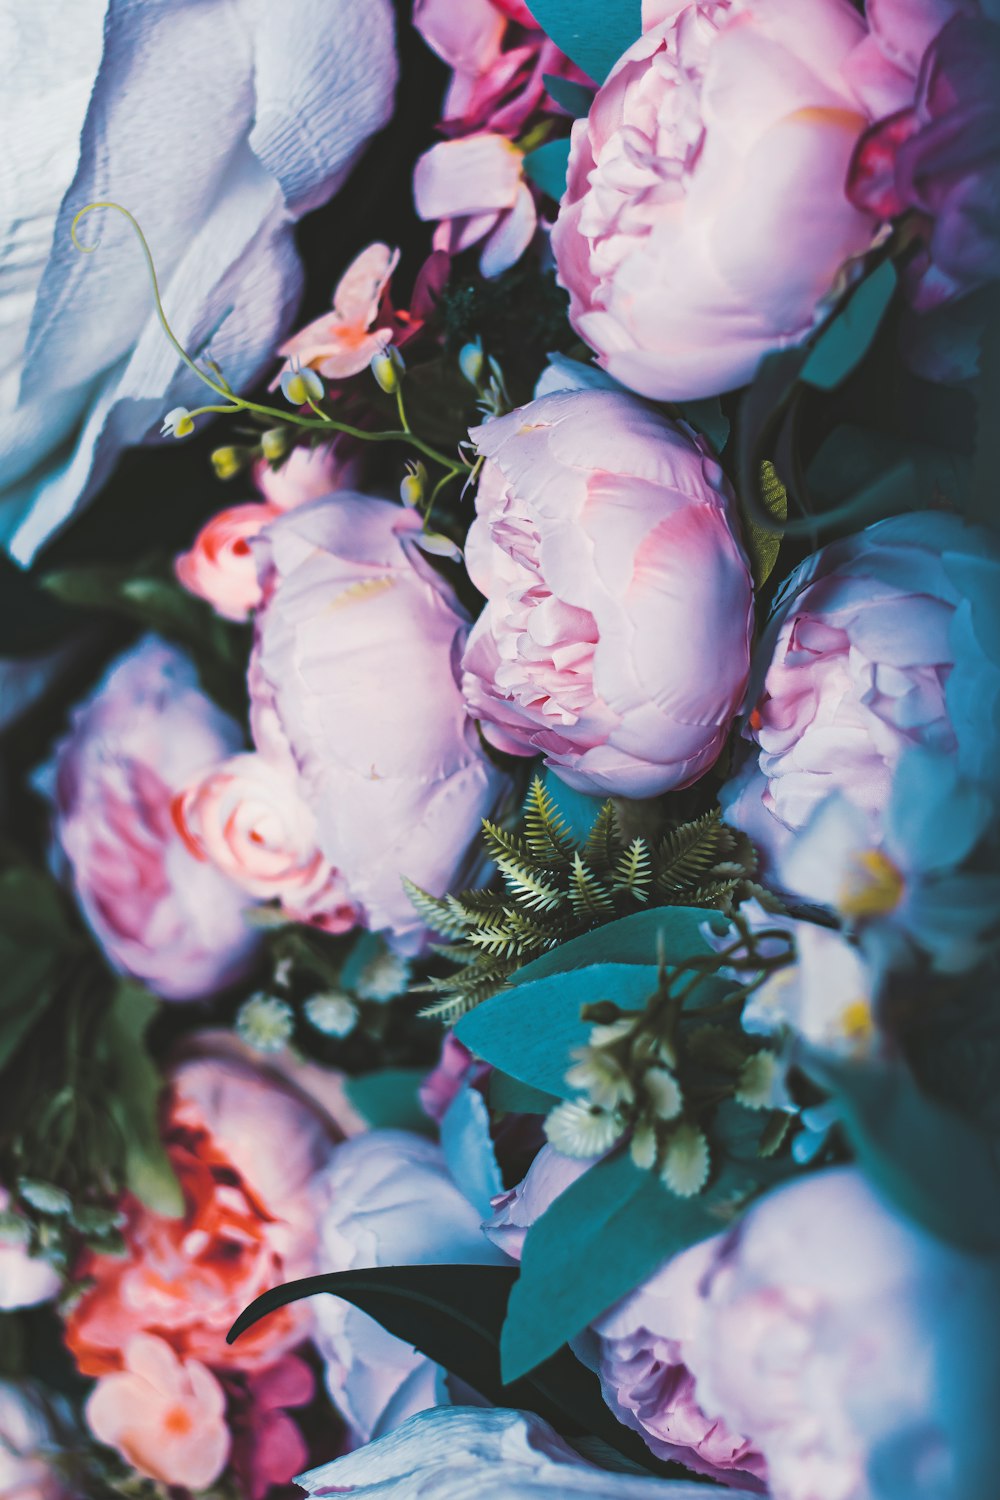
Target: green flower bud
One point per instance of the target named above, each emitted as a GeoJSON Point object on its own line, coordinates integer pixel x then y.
{"type": "Point", "coordinates": [274, 444]}
{"type": "Point", "coordinates": [387, 367]}
{"type": "Point", "coordinates": [227, 462]}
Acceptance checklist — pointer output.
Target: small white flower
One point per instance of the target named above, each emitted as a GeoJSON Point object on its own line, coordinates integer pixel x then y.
{"type": "Point", "coordinates": [599, 1076]}
{"type": "Point", "coordinates": [177, 423]}
{"type": "Point", "coordinates": [576, 1129]}
{"type": "Point", "coordinates": [663, 1093]}
{"type": "Point", "coordinates": [644, 1147]}
{"type": "Point", "coordinates": [383, 977]}
{"type": "Point", "coordinates": [686, 1162]}
{"type": "Point", "coordinates": [761, 1083]}
{"type": "Point", "coordinates": [333, 1014]}
{"type": "Point", "coordinates": [265, 1023]}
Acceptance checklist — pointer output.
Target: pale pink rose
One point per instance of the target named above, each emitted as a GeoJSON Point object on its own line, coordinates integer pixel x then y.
{"type": "Point", "coordinates": [387, 1199]}
{"type": "Point", "coordinates": [859, 1352]}
{"type": "Point", "coordinates": [878, 642]}
{"type": "Point", "coordinates": [160, 914]}
{"type": "Point", "coordinates": [247, 1147]}
{"type": "Point", "coordinates": [246, 818]}
{"type": "Point", "coordinates": [616, 635]}
{"type": "Point", "coordinates": [705, 218]}
{"type": "Point", "coordinates": [25, 1279]}
{"type": "Point", "coordinates": [354, 670]}
{"type": "Point", "coordinates": [475, 187]}
{"type": "Point", "coordinates": [220, 566]}
{"type": "Point", "coordinates": [164, 1415]}
{"type": "Point", "coordinates": [344, 342]}
{"type": "Point", "coordinates": [637, 1347]}
{"type": "Point", "coordinates": [309, 474]}
{"type": "Point", "coordinates": [29, 1447]}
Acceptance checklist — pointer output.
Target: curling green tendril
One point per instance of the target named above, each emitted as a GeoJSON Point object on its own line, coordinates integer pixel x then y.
{"type": "Point", "coordinates": [234, 403]}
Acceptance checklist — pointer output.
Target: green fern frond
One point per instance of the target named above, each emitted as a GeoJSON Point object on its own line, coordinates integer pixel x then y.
{"type": "Point", "coordinates": [604, 841]}
{"type": "Point", "coordinates": [502, 845]}
{"type": "Point", "coordinates": [533, 892]}
{"type": "Point", "coordinates": [589, 895]}
{"type": "Point", "coordinates": [687, 854]}
{"type": "Point", "coordinates": [634, 870]}
{"type": "Point", "coordinates": [545, 831]}
{"type": "Point", "coordinates": [440, 914]}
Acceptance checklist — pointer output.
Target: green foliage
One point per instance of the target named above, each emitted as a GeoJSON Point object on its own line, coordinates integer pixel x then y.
{"type": "Point", "coordinates": [594, 33]}
{"type": "Point", "coordinates": [388, 1099]}
{"type": "Point", "coordinates": [575, 98]}
{"type": "Point", "coordinates": [847, 337]}
{"type": "Point", "coordinates": [546, 167]}
{"type": "Point", "coordinates": [133, 1084]}
{"type": "Point", "coordinates": [764, 542]}
{"type": "Point", "coordinates": [454, 1314]}
{"type": "Point", "coordinates": [557, 887]}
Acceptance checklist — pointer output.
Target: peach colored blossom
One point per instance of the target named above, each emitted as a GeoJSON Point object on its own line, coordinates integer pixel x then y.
{"type": "Point", "coordinates": [246, 1150]}
{"type": "Point", "coordinates": [166, 1416]}
{"type": "Point", "coordinates": [343, 342]}
{"type": "Point", "coordinates": [220, 565]}
{"type": "Point", "coordinates": [247, 819]}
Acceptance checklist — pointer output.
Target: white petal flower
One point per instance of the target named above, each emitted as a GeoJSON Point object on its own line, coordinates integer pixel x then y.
{"type": "Point", "coordinates": [576, 1129]}
{"type": "Point", "coordinates": [686, 1162]}
{"type": "Point", "coordinates": [334, 1014]}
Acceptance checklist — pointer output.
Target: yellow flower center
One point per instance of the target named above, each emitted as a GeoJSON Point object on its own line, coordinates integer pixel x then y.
{"type": "Point", "coordinates": [874, 886]}
{"type": "Point", "coordinates": [857, 1021]}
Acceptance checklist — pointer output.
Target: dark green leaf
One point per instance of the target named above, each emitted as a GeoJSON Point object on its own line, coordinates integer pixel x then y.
{"type": "Point", "coordinates": [453, 1314]}
{"type": "Point", "coordinates": [934, 1165]}
{"type": "Point", "coordinates": [511, 1096]}
{"type": "Point", "coordinates": [869, 474]}
{"type": "Point", "coordinates": [983, 506]}
{"type": "Point", "coordinates": [602, 1237]}
{"type": "Point", "coordinates": [594, 33]}
{"type": "Point", "coordinates": [632, 940]}
{"type": "Point", "coordinates": [546, 167]}
{"type": "Point", "coordinates": [574, 97]}
{"type": "Point", "coordinates": [30, 619]}
{"type": "Point", "coordinates": [134, 1098]}
{"type": "Point", "coordinates": [389, 1099]}
{"type": "Point", "coordinates": [764, 543]}
{"type": "Point", "coordinates": [708, 418]}
{"type": "Point", "coordinates": [846, 339]}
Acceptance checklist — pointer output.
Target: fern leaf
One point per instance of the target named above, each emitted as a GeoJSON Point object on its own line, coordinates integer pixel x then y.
{"type": "Point", "coordinates": [604, 842]}
{"type": "Point", "coordinates": [545, 830]}
{"type": "Point", "coordinates": [441, 915]}
{"type": "Point", "coordinates": [502, 845]}
{"type": "Point", "coordinates": [529, 889]}
{"type": "Point", "coordinates": [589, 895]}
{"type": "Point", "coordinates": [634, 870]}
{"type": "Point", "coordinates": [687, 854]}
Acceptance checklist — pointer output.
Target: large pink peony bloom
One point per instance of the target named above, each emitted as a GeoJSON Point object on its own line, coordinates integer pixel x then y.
{"type": "Point", "coordinates": [858, 1352]}
{"type": "Point", "coordinates": [705, 217]}
{"type": "Point", "coordinates": [354, 671]}
{"type": "Point", "coordinates": [158, 913]}
{"type": "Point", "coordinates": [615, 639]}
{"type": "Point", "coordinates": [878, 642]}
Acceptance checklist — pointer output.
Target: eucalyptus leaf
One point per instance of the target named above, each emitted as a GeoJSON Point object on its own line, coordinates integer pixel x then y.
{"type": "Point", "coordinates": [389, 1099]}
{"type": "Point", "coordinates": [608, 1232]}
{"type": "Point", "coordinates": [511, 1096]}
{"type": "Point", "coordinates": [546, 167]}
{"type": "Point", "coordinates": [575, 98]}
{"type": "Point", "coordinates": [133, 1099]}
{"type": "Point", "coordinates": [935, 1166]}
{"type": "Point", "coordinates": [453, 1314]}
{"type": "Point", "coordinates": [593, 33]}
{"type": "Point", "coordinates": [846, 339]}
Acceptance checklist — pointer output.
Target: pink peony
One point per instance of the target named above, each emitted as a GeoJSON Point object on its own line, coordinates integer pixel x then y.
{"type": "Point", "coordinates": [164, 1415]}
{"type": "Point", "coordinates": [705, 218]}
{"type": "Point", "coordinates": [615, 639]}
{"type": "Point", "coordinates": [220, 566]}
{"type": "Point", "coordinates": [246, 818]}
{"type": "Point", "coordinates": [638, 1346]}
{"type": "Point", "coordinates": [309, 474]}
{"type": "Point", "coordinates": [25, 1279]}
{"type": "Point", "coordinates": [387, 1199]}
{"type": "Point", "coordinates": [878, 642]}
{"type": "Point", "coordinates": [859, 1352]}
{"type": "Point", "coordinates": [159, 914]}
{"type": "Point", "coordinates": [940, 157]}
{"type": "Point", "coordinates": [476, 188]}
{"type": "Point", "coordinates": [354, 670]}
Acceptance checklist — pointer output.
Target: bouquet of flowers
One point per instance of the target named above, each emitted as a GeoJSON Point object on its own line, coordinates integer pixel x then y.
{"type": "Point", "coordinates": [500, 749]}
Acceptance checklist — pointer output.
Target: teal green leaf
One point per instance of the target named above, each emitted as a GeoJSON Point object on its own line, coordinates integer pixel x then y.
{"type": "Point", "coordinates": [708, 418]}
{"type": "Point", "coordinates": [936, 1167]}
{"type": "Point", "coordinates": [134, 1096]}
{"type": "Point", "coordinates": [546, 166]}
{"type": "Point", "coordinates": [846, 339]}
{"type": "Point", "coordinates": [390, 1099]}
{"type": "Point", "coordinates": [577, 810]}
{"type": "Point", "coordinates": [453, 1314]}
{"type": "Point", "coordinates": [636, 939]}
{"type": "Point", "coordinates": [605, 1234]}
{"type": "Point", "coordinates": [511, 1096]}
{"type": "Point", "coordinates": [574, 97]}
{"type": "Point", "coordinates": [593, 33]}
{"type": "Point", "coordinates": [468, 1150]}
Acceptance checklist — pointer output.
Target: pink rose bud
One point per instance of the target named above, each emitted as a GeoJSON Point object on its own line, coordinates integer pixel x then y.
{"type": "Point", "coordinates": [616, 635]}
{"type": "Point", "coordinates": [220, 566]}
{"type": "Point", "coordinates": [705, 217]}
{"type": "Point", "coordinates": [160, 914]}
{"type": "Point", "coordinates": [354, 673]}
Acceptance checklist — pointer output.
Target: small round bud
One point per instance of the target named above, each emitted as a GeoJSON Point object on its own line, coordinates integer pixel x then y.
{"type": "Point", "coordinates": [299, 386]}
{"type": "Point", "coordinates": [436, 545]}
{"type": "Point", "coordinates": [274, 444]}
{"type": "Point", "coordinates": [414, 485]}
{"type": "Point", "coordinates": [472, 362]}
{"type": "Point", "coordinates": [177, 423]}
{"type": "Point", "coordinates": [227, 462]}
{"type": "Point", "coordinates": [388, 367]}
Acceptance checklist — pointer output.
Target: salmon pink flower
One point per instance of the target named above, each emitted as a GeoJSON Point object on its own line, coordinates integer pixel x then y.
{"type": "Point", "coordinates": [344, 342]}
{"type": "Point", "coordinates": [220, 567]}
